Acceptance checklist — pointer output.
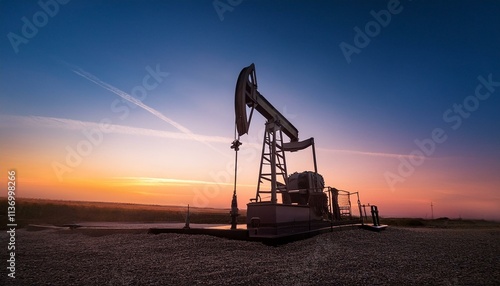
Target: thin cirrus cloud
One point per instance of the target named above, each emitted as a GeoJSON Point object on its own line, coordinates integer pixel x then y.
{"type": "Point", "coordinates": [139, 103]}
{"type": "Point", "coordinates": [70, 124]}
{"type": "Point", "coordinates": [147, 181]}
{"type": "Point", "coordinates": [376, 154]}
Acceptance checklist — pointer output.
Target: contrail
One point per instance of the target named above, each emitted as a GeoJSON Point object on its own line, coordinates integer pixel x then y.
{"type": "Point", "coordinates": [139, 103]}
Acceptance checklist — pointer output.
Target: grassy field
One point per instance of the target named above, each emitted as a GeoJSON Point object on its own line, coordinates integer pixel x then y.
{"type": "Point", "coordinates": [37, 211]}
{"type": "Point", "coordinates": [439, 223]}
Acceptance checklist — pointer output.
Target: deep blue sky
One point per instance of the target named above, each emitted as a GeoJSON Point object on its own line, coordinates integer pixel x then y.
{"type": "Point", "coordinates": [394, 91]}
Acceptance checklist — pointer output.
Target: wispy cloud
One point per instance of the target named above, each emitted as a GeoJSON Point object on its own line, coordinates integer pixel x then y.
{"type": "Point", "coordinates": [151, 181]}
{"type": "Point", "coordinates": [139, 103]}
{"type": "Point", "coordinates": [375, 154]}
{"type": "Point", "coordinates": [70, 124]}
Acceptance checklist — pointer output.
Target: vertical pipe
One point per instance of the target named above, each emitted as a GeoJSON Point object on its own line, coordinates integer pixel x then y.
{"type": "Point", "coordinates": [330, 195]}
{"type": "Point", "coordinates": [364, 210]}
{"type": "Point", "coordinates": [375, 215]}
{"type": "Point", "coordinates": [314, 157]}
{"type": "Point", "coordinates": [350, 206]}
{"type": "Point", "coordinates": [360, 212]}
{"type": "Point", "coordinates": [234, 202]}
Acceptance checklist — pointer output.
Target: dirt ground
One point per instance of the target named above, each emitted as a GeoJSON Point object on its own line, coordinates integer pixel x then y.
{"type": "Point", "coordinates": [396, 256]}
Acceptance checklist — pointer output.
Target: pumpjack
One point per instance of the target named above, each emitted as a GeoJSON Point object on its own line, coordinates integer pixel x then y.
{"type": "Point", "coordinates": [285, 207]}
{"type": "Point", "coordinates": [283, 203]}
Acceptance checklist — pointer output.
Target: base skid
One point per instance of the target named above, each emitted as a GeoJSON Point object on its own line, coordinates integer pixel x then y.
{"type": "Point", "coordinates": [374, 227]}
{"type": "Point", "coordinates": [243, 234]}
{"type": "Point", "coordinates": [271, 224]}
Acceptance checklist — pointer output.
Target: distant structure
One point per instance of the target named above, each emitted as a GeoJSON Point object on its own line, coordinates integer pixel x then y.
{"type": "Point", "coordinates": [432, 211]}
{"type": "Point", "coordinates": [186, 226]}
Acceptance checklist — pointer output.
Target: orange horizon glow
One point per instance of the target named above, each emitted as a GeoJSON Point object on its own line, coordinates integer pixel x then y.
{"type": "Point", "coordinates": [198, 193]}
{"type": "Point", "coordinates": [205, 178]}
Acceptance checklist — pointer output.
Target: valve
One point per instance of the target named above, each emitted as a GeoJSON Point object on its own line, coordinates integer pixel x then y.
{"type": "Point", "coordinates": [236, 145]}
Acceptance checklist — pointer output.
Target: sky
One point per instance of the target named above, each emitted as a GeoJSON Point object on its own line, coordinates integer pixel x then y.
{"type": "Point", "coordinates": [133, 101]}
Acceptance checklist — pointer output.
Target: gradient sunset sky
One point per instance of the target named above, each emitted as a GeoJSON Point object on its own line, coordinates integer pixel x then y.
{"type": "Point", "coordinates": [133, 101]}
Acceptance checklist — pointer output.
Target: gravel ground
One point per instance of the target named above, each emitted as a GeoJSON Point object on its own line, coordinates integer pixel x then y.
{"type": "Point", "coordinates": [396, 256]}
